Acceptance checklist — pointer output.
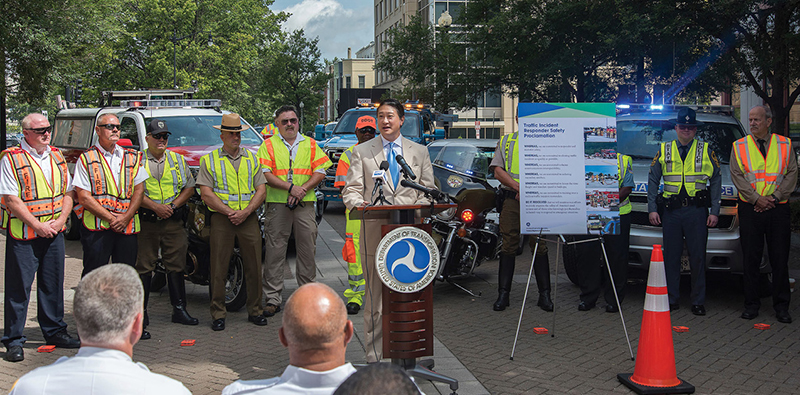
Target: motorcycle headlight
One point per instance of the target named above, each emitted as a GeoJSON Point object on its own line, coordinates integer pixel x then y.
{"type": "Point", "coordinates": [447, 215]}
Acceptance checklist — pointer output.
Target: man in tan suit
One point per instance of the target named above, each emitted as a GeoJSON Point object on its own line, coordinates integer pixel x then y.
{"type": "Point", "coordinates": [366, 159]}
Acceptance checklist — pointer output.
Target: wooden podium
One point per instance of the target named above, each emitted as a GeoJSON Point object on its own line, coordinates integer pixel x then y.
{"type": "Point", "coordinates": [407, 318]}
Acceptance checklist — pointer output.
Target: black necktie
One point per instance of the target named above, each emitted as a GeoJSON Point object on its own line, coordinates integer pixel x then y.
{"type": "Point", "coordinates": [762, 147]}
{"type": "Point", "coordinates": [683, 150]}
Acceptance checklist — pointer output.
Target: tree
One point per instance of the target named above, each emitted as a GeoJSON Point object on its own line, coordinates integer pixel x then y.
{"type": "Point", "coordinates": [293, 73]}
{"type": "Point", "coordinates": [762, 40]}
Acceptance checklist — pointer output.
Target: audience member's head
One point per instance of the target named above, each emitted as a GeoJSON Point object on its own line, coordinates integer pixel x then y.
{"type": "Point", "coordinates": [108, 307]}
{"type": "Point", "coordinates": [378, 379]}
{"type": "Point", "coordinates": [315, 328]}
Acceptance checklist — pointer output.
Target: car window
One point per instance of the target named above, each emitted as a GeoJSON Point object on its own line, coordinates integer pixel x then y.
{"type": "Point", "coordinates": [128, 130]}
{"type": "Point", "coordinates": [189, 131]}
{"type": "Point", "coordinates": [73, 133]}
{"type": "Point", "coordinates": [467, 159]}
{"type": "Point", "coordinates": [433, 151]}
{"type": "Point", "coordinates": [641, 139]}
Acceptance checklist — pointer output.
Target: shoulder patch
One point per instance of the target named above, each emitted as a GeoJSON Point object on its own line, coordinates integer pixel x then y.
{"type": "Point", "coordinates": [655, 159]}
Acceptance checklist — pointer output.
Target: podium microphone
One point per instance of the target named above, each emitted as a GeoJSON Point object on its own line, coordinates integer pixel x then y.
{"type": "Point", "coordinates": [379, 176]}
{"type": "Point", "coordinates": [433, 192]}
{"type": "Point", "coordinates": [405, 167]}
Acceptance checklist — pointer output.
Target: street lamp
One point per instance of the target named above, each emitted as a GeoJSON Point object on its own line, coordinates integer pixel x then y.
{"type": "Point", "coordinates": [175, 40]}
{"type": "Point", "coordinates": [301, 116]}
{"type": "Point", "coordinates": [445, 20]}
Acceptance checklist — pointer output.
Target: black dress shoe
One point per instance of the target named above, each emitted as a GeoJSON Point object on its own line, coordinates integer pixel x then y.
{"type": "Point", "coordinates": [218, 325]}
{"type": "Point", "coordinates": [749, 314]}
{"type": "Point", "coordinates": [259, 320]}
{"type": "Point", "coordinates": [15, 354]}
{"type": "Point", "coordinates": [353, 308]}
{"type": "Point", "coordinates": [674, 306]}
{"type": "Point", "coordinates": [63, 340]}
{"type": "Point", "coordinates": [783, 316]}
{"type": "Point", "coordinates": [271, 309]}
{"type": "Point", "coordinates": [583, 306]}
{"type": "Point", "coordinates": [610, 308]}
{"type": "Point", "coordinates": [145, 335]}
{"type": "Point", "coordinates": [698, 309]}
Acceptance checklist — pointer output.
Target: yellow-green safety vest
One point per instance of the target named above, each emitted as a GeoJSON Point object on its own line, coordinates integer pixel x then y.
{"type": "Point", "coordinates": [763, 174]}
{"type": "Point", "coordinates": [233, 186]}
{"type": "Point", "coordinates": [509, 144]}
{"type": "Point", "coordinates": [114, 197]}
{"type": "Point", "coordinates": [623, 162]}
{"type": "Point", "coordinates": [692, 174]}
{"type": "Point", "coordinates": [274, 156]}
{"type": "Point", "coordinates": [165, 190]}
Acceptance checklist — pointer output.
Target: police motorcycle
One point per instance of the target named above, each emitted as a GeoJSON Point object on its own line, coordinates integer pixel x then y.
{"type": "Point", "coordinates": [468, 234]}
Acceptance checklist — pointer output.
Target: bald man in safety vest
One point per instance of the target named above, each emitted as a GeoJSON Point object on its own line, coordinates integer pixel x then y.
{"type": "Point", "coordinates": [764, 170]}
{"type": "Point", "coordinates": [36, 187]}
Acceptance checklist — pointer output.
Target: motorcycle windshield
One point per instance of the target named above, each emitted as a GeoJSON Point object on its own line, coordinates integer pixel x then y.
{"type": "Point", "coordinates": [466, 159]}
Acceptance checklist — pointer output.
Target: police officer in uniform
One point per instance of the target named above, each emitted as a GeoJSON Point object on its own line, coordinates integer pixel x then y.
{"type": "Point", "coordinates": [233, 186]}
{"type": "Point", "coordinates": [168, 187]}
{"type": "Point", "coordinates": [35, 185]}
{"type": "Point", "coordinates": [365, 131]}
{"type": "Point", "coordinates": [109, 186]}
{"type": "Point", "coordinates": [506, 170]}
{"type": "Point", "coordinates": [692, 184]}
{"type": "Point", "coordinates": [764, 170]}
{"type": "Point", "coordinates": [590, 256]}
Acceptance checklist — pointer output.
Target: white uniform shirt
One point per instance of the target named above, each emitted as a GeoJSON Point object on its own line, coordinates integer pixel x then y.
{"type": "Point", "coordinates": [8, 178]}
{"type": "Point", "coordinates": [114, 160]}
{"type": "Point", "coordinates": [96, 371]}
{"type": "Point", "coordinates": [294, 380]}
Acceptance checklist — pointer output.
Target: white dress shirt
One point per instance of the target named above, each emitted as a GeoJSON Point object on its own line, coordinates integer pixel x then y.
{"type": "Point", "coordinates": [294, 380]}
{"type": "Point", "coordinates": [398, 146]}
{"type": "Point", "coordinates": [8, 178]}
{"type": "Point", "coordinates": [96, 371]}
{"type": "Point", "coordinates": [114, 160]}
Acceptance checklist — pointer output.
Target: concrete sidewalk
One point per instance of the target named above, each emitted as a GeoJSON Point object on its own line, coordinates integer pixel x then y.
{"type": "Point", "coordinates": [242, 351]}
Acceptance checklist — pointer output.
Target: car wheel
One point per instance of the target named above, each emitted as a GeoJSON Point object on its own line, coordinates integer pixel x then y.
{"type": "Point", "coordinates": [73, 227]}
{"type": "Point", "coordinates": [570, 256]}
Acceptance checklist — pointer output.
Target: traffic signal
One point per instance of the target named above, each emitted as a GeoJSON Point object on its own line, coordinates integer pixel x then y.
{"type": "Point", "coordinates": [78, 90]}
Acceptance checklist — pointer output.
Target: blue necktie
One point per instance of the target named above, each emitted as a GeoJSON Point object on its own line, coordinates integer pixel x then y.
{"type": "Point", "coordinates": [394, 170]}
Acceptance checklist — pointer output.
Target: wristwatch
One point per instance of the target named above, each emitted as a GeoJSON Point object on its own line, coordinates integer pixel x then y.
{"type": "Point", "coordinates": [172, 206]}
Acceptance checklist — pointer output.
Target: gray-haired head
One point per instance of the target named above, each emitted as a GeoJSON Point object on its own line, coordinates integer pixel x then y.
{"type": "Point", "coordinates": [106, 302]}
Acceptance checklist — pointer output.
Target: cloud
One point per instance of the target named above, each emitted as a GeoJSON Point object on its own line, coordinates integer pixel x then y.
{"type": "Point", "coordinates": [336, 26]}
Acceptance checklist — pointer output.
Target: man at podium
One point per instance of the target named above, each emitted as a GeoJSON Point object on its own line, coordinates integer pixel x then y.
{"type": "Point", "coordinates": [376, 161]}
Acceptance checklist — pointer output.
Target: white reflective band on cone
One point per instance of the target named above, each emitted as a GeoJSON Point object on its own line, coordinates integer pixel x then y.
{"type": "Point", "coordinates": [656, 303]}
{"type": "Point", "coordinates": [656, 276]}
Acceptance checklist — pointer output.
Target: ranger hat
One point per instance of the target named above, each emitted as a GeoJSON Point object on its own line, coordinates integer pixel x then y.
{"type": "Point", "coordinates": [232, 123]}
{"type": "Point", "coordinates": [157, 126]}
{"type": "Point", "coordinates": [686, 116]}
{"type": "Point", "coordinates": [366, 121]}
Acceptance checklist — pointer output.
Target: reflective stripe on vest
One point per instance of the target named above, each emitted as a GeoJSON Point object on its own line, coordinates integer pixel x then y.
{"type": "Point", "coordinates": [623, 162]}
{"type": "Point", "coordinates": [41, 199]}
{"type": "Point", "coordinates": [274, 156]}
{"type": "Point", "coordinates": [692, 174]}
{"type": "Point", "coordinates": [165, 190]}
{"type": "Point", "coordinates": [763, 174]}
{"type": "Point", "coordinates": [233, 186]}
{"type": "Point", "coordinates": [112, 195]}
{"type": "Point", "coordinates": [342, 167]}
{"type": "Point", "coordinates": [511, 157]}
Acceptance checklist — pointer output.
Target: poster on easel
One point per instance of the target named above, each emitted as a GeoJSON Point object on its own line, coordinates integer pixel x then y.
{"type": "Point", "coordinates": [569, 183]}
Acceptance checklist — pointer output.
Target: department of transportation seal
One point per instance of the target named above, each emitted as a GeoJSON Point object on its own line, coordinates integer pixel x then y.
{"type": "Point", "coordinates": [407, 259]}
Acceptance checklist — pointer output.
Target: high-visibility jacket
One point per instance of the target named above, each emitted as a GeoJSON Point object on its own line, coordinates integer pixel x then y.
{"type": "Point", "coordinates": [233, 186]}
{"type": "Point", "coordinates": [41, 199]}
{"type": "Point", "coordinates": [763, 174]}
{"type": "Point", "coordinates": [342, 167]}
{"type": "Point", "coordinates": [166, 189]}
{"type": "Point", "coordinates": [113, 195]}
{"type": "Point", "coordinates": [274, 155]}
{"type": "Point", "coordinates": [511, 155]}
{"type": "Point", "coordinates": [623, 163]}
{"type": "Point", "coordinates": [692, 174]}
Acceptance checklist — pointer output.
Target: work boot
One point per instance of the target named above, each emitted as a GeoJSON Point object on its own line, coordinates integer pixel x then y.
{"type": "Point", "coordinates": [505, 276]}
{"type": "Point", "coordinates": [147, 279]}
{"type": "Point", "coordinates": [177, 297]}
{"type": "Point", "coordinates": [541, 268]}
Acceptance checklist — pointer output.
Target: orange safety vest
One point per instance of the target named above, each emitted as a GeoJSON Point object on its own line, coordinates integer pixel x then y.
{"type": "Point", "coordinates": [42, 200]}
{"type": "Point", "coordinates": [763, 174]}
{"type": "Point", "coordinates": [112, 196]}
{"type": "Point", "coordinates": [273, 155]}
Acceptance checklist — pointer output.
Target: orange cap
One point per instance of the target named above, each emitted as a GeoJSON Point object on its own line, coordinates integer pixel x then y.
{"type": "Point", "coordinates": [366, 121]}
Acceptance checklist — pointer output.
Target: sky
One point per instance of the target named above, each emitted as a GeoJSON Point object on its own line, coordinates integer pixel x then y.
{"type": "Point", "coordinates": [339, 24]}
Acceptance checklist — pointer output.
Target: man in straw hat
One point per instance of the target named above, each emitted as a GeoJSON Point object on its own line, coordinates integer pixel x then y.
{"type": "Point", "coordinates": [233, 186]}
{"type": "Point", "coordinates": [692, 184]}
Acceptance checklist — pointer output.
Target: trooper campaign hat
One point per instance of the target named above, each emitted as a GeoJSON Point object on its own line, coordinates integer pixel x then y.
{"type": "Point", "coordinates": [231, 123]}
{"type": "Point", "coordinates": [686, 116]}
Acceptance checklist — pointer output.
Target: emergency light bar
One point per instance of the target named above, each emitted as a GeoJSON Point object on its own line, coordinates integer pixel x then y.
{"type": "Point", "coordinates": [193, 103]}
{"type": "Point", "coordinates": [633, 108]}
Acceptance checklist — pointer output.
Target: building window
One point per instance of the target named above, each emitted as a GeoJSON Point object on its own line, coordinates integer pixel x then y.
{"type": "Point", "coordinates": [347, 82]}
{"type": "Point", "coordinates": [362, 82]}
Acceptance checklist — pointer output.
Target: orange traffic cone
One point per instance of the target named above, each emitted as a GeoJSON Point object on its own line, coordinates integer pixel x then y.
{"type": "Point", "coordinates": [655, 357]}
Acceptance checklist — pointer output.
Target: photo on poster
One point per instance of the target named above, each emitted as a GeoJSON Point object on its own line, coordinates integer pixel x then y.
{"type": "Point", "coordinates": [602, 176]}
{"type": "Point", "coordinates": [602, 200]}
{"type": "Point", "coordinates": [602, 222]}
{"type": "Point", "coordinates": [600, 134]}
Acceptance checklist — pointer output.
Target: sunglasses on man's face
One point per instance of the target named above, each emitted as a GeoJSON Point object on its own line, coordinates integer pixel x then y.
{"type": "Point", "coordinates": [288, 121]}
{"type": "Point", "coordinates": [161, 136]}
{"type": "Point", "coordinates": [110, 126]}
{"type": "Point", "coordinates": [43, 130]}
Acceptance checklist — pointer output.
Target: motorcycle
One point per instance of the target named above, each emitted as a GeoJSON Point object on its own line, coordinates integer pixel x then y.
{"type": "Point", "coordinates": [467, 235]}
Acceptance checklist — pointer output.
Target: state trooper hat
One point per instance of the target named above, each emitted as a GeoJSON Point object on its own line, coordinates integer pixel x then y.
{"type": "Point", "coordinates": [686, 116]}
{"type": "Point", "coordinates": [157, 126]}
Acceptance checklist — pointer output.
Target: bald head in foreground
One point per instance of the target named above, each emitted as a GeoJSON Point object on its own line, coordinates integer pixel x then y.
{"type": "Point", "coordinates": [378, 379]}
{"type": "Point", "coordinates": [316, 332]}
